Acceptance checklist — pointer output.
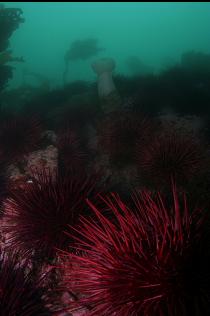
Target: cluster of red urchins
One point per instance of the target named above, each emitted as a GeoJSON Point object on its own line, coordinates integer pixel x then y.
{"type": "Point", "coordinates": [150, 260]}
{"type": "Point", "coordinates": [147, 260]}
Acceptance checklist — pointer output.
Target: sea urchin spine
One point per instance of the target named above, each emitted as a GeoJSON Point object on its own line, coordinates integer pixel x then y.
{"type": "Point", "coordinates": [147, 261]}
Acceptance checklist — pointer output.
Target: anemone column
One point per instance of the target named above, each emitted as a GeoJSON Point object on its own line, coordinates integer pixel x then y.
{"type": "Point", "coordinates": [106, 88]}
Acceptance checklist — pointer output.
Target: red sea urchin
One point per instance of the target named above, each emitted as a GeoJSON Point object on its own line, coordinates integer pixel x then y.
{"type": "Point", "coordinates": [72, 155]}
{"type": "Point", "coordinates": [118, 133]}
{"type": "Point", "coordinates": [18, 136]}
{"type": "Point", "coordinates": [37, 215]}
{"type": "Point", "coordinates": [171, 154]}
{"type": "Point", "coordinates": [149, 261]}
{"type": "Point", "coordinates": [18, 295]}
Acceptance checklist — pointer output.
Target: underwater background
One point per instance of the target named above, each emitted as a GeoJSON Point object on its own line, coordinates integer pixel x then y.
{"type": "Point", "coordinates": [104, 159]}
{"type": "Point", "coordinates": [157, 33]}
